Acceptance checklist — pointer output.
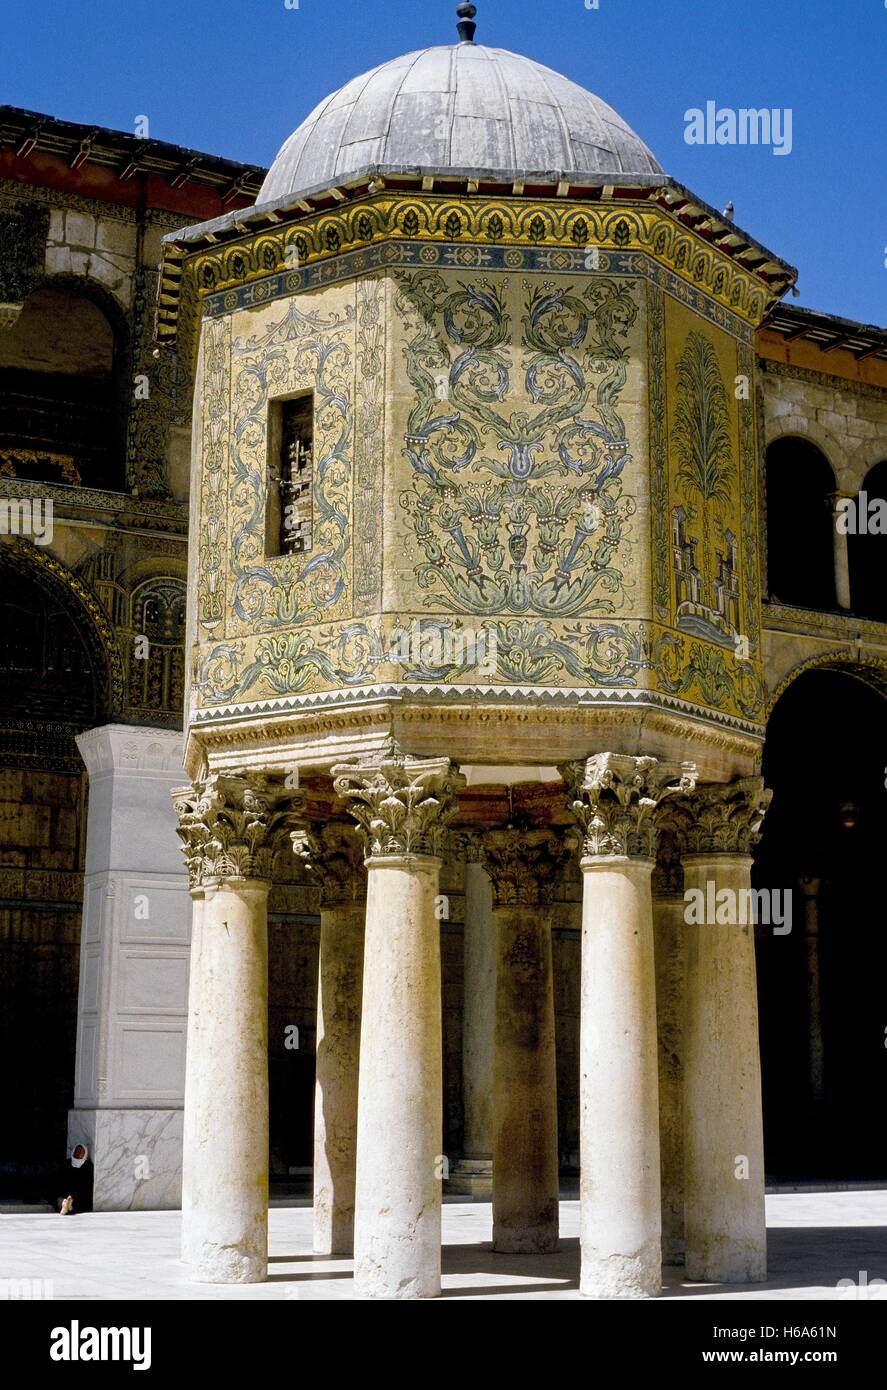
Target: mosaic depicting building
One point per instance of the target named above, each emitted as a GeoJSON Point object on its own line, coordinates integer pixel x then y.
{"type": "Point", "coordinates": [459, 504]}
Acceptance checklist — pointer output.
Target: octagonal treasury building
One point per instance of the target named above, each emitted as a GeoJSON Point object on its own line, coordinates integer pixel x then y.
{"type": "Point", "coordinates": [474, 587]}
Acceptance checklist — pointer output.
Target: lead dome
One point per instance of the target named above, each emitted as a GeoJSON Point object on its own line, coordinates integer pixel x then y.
{"type": "Point", "coordinates": [458, 107]}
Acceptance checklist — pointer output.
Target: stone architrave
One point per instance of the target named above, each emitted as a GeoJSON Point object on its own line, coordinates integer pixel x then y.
{"type": "Point", "coordinates": [334, 856]}
{"type": "Point", "coordinates": [524, 867]}
{"type": "Point", "coordinates": [231, 826]}
{"type": "Point", "coordinates": [403, 807]}
{"type": "Point", "coordinates": [724, 1221]}
{"type": "Point", "coordinates": [615, 799]}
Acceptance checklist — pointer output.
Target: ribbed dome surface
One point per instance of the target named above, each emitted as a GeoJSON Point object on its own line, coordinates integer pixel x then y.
{"type": "Point", "coordinates": [462, 107]}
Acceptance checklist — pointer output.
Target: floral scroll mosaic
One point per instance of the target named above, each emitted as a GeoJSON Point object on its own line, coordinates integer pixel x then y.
{"type": "Point", "coordinates": [557, 462]}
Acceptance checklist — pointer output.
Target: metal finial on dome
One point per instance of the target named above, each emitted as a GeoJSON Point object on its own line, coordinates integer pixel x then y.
{"type": "Point", "coordinates": [466, 25]}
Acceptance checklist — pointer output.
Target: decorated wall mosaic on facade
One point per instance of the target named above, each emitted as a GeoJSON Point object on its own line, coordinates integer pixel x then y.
{"type": "Point", "coordinates": [515, 500]}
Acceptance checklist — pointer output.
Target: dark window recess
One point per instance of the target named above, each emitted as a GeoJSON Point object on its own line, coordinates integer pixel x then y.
{"type": "Point", "coordinates": [290, 518]}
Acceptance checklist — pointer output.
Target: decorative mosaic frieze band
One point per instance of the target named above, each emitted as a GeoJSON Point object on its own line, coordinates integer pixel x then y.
{"type": "Point", "coordinates": [405, 255]}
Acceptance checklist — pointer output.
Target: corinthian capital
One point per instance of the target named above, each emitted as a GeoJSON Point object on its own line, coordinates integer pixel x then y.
{"type": "Point", "coordinates": [332, 854]}
{"type": "Point", "coordinates": [465, 846]}
{"type": "Point", "coordinates": [523, 865]}
{"type": "Point", "coordinates": [615, 798]}
{"type": "Point", "coordinates": [402, 805]}
{"type": "Point", "coordinates": [726, 818]}
{"type": "Point", "coordinates": [231, 825]}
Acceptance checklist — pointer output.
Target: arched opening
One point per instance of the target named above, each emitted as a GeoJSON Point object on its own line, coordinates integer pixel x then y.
{"type": "Point", "coordinates": [800, 544]}
{"type": "Point", "coordinates": [867, 547]}
{"type": "Point", "coordinates": [821, 985]}
{"type": "Point", "coordinates": [53, 684]}
{"type": "Point", "coordinates": [61, 403]}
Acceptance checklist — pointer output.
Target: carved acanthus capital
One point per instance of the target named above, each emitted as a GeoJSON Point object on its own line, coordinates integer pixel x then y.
{"type": "Point", "coordinates": [615, 798]}
{"type": "Point", "coordinates": [232, 824]}
{"type": "Point", "coordinates": [673, 820]}
{"type": "Point", "coordinates": [524, 866]}
{"type": "Point", "coordinates": [402, 805]}
{"type": "Point", "coordinates": [332, 855]}
{"type": "Point", "coordinates": [726, 818]}
{"type": "Point", "coordinates": [465, 846]}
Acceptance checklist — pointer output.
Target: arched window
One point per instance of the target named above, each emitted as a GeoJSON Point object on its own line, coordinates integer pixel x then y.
{"type": "Point", "coordinates": [157, 613]}
{"type": "Point", "coordinates": [47, 671]}
{"type": "Point", "coordinates": [800, 541]}
{"type": "Point", "coordinates": [60, 411]}
{"type": "Point", "coordinates": [867, 547]}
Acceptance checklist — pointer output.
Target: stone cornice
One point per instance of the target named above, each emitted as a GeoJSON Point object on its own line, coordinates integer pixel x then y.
{"type": "Point", "coordinates": [823, 379]}
{"type": "Point", "coordinates": [402, 805]}
{"type": "Point", "coordinates": [614, 798]}
{"type": "Point", "coordinates": [314, 734]}
{"type": "Point", "coordinates": [660, 219]}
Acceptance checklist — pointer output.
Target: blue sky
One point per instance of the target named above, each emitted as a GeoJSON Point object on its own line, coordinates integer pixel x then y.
{"type": "Point", "coordinates": [234, 77]}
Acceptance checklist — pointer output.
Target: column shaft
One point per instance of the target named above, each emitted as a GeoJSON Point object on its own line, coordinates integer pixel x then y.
{"type": "Point", "coordinates": [225, 1228]}
{"type": "Point", "coordinates": [841, 555]}
{"type": "Point", "coordinates": [525, 1151]}
{"type": "Point", "coordinates": [619, 1115]}
{"type": "Point", "coordinates": [400, 1100]}
{"type": "Point", "coordinates": [670, 958]}
{"type": "Point", "coordinates": [340, 980]}
{"type": "Point", "coordinates": [724, 1221]}
{"type": "Point", "coordinates": [473, 1173]}
{"type": "Point", "coordinates": [193, 1063]}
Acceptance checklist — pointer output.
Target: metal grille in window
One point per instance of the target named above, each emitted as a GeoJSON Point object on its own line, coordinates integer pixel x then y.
{"type": "Point", "coordinates": [291, 511]}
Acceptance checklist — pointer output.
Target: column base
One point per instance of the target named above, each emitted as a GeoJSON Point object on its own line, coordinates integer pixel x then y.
{"type": "Point", "coordinates": [726, 1263]}
{"type": "Point", "coordinates": [136, 1157]}
{"type": "Point", "coordinates": [621, 1276]}
{"type": "Point", "coordinates": [472, 1177]}
{"type": "Point", "coordinates": [213, 1263]}
{"type": "Point", "coordinates": [540, 1240]}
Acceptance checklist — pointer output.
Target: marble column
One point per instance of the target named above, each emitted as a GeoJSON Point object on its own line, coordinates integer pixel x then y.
{"type": "Point", "coordinates": [335, 858]}
{"type": "Point", "coordinates": [671, 969]}
{"type": "Point", "coordinates": [193, 1056]}
{"type": "Point", "coordinates": [402, 805]}
{"type": "Point", "coordinates": [810, 890]}
{"type": "Point", "coordinates": [523, 866]}
{"type": "Point", "coordinates": [614, 798]}
{"type": "Point", "coordinates": [841, 551]}
{"type": "Point", "coordinates": [473, 1174]}
{"type": "Point", "coordinates": [724, 1220]}
{"type": "Point", "coordinates": [230, 827]}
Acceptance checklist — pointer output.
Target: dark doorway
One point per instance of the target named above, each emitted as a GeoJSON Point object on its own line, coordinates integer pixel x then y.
{"type": "Point", "coordinates": [50, 684]}
{"type": "Point", "coordinates": [821, 987]}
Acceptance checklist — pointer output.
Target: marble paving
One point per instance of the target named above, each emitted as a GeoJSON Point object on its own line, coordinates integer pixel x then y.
{"type": "Point", "coordinates": [815, 1239]}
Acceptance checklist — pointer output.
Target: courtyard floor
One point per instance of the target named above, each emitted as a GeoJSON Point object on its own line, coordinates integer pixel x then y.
{"type": "Point", "coordinates": [815, 1239]}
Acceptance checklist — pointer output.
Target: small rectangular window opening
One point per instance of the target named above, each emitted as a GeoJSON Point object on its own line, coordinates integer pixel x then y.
{"type": "Point", "coordinates": [290, 508]}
